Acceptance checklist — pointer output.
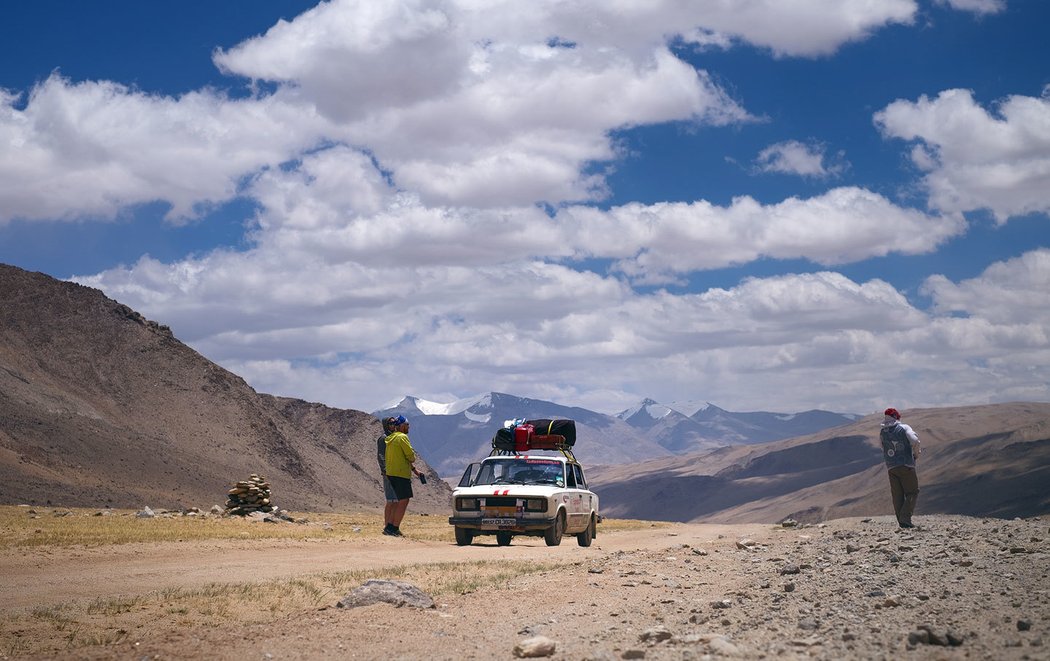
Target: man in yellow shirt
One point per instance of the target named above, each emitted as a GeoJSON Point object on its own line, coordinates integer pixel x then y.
{"type": "Point", "coordinates": [400, 458]}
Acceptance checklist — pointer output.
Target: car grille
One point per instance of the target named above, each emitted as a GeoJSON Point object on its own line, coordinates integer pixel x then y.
{"type": "Point", "coordinates": [500, 501]}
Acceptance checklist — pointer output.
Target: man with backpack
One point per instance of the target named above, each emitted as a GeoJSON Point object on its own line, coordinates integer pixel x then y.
{"type": "Point", "coordinates": [900, 449]}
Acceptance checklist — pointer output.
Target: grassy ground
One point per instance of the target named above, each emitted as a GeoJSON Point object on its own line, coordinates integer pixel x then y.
{"type": "Point", "coordinates": [51, 629]}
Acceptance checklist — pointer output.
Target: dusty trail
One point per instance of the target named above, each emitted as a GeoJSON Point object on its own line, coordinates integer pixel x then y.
{"type": "Point", "coordinates": [50, 576]}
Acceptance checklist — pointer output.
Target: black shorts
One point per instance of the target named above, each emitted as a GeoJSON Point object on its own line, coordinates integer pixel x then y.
{"type": "Point", "coordinates": [402, 486]}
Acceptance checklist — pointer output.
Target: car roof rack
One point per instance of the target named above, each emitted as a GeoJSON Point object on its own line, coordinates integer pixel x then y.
{"type": "Point", "coordinates": [564, 448]}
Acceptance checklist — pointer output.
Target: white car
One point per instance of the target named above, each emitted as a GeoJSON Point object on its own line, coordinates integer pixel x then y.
{"type": "Point", "coordinates": [525, 494]}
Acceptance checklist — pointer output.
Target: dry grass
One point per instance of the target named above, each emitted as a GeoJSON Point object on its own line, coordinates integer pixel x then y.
{"type": "Point", "coordinates": [53, 629]}
{"type": "Point", "coordinates": [60, 628]}
{"type": "Point", "coordinates": [26, 527]}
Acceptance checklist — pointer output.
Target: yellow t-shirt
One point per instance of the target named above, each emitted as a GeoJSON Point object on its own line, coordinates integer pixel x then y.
{"type": "Point", "coordinates": [399, 455]}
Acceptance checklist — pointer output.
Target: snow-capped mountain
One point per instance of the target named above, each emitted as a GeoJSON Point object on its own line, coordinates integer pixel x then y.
{"type": "Point", "coordinates": [451, 435]}
{"type": "Point", "coordinates": [710, 426]}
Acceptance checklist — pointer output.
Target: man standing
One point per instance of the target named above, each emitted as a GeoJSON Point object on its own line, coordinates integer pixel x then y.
{"type": "Point", "coordinates": [388, 489]}
{"type": "Point", "coordinates": [900, 449]}
{"type": "Point", "coordinates": [400, 458]}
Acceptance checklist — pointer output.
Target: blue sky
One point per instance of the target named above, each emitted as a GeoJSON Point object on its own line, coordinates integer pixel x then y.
{"type": "Point", "coordinates": [779, 206]}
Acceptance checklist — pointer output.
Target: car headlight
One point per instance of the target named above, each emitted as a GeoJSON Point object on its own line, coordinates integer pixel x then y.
{"type": "Point", "coordinates": [536, 505]}
{"type": "Point", "coordinates": [467, 504]}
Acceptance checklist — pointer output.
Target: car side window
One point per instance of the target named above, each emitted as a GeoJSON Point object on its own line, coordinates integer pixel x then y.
{"type": "Point", "coordinates": [571, 475]}
{"type": "Point", "coordinates": [578, 470]}
{"type": "Point", "coordinates": [470, 475]}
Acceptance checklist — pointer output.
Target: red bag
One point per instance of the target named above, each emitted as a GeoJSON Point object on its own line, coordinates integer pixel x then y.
{"type": "Point", "coordinates": [522, 436]}
{"type": "Point", "coordinates": [546, 441]}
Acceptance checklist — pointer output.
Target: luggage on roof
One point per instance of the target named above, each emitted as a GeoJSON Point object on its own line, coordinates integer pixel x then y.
{"type": "Point", "coordinates": [542, 434]}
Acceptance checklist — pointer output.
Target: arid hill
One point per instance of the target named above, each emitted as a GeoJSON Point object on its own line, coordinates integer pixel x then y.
{"type": "Point", "coordinates": [991, 460]}
{"type": "Point", "coordinates": [100, 406]}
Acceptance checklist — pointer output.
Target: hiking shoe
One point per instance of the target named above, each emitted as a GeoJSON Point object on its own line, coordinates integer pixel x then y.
{"type": "Point", "coordinates": [389, 530]}
{"type": "Point", "coordinates": [395, 532]}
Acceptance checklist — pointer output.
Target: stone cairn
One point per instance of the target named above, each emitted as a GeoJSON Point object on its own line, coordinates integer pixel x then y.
{"type": "Point", "coordinates": [251, 495]}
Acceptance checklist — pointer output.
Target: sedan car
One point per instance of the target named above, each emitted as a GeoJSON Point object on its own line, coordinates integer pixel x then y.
{"type": "Point", "coordinates": [524, 494]}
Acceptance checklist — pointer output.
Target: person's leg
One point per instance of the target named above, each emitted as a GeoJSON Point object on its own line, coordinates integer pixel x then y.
{"type": "Point", "coordinates": [388, 512]}
{"type": "Point", "coordinates": [400, 507]}
{"type": "Point", "coordinates": [897, 493]}
{"type": "Point", "coordinates": [909, 482]}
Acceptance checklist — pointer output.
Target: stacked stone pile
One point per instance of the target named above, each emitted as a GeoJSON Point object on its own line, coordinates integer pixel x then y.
{"type": "Point", "coordinates": [248, 496]}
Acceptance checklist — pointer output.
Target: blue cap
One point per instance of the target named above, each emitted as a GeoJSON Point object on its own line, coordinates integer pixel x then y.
{"type": "Point", "coordinates": [400, 420]}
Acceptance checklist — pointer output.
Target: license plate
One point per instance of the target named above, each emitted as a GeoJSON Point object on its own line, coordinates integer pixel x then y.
{"type": "Point", "coordinates": [499, 522]}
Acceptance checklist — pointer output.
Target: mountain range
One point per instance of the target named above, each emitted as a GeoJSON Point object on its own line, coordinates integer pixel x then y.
{"type": "Point", "coordinates": [100, 406]}
{"type": "Point", "coordinates": [453, 434]}
{"type": "Point", "coordinates": [990, 460]}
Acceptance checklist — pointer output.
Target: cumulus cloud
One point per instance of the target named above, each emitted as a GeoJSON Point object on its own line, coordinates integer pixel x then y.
{"type": "Point", "coordinates": [840, 226]}
{"type": "Point", "coordinates": [975, 6]}
{"type": "Point", "coordinates": [503, 104]}
{"type": "Point", "coordinates": [398, 245]}
{"type": "Point", "coordinates": [973, 158]}
{"type": "Point", "coordinates": [92, 149]}
{"type": "Point", "coordinates": [798, 158]}
{"type": "Point", "coordinates": [1016, 291]}
{"type": "Point", "coordinates": [361, 336]}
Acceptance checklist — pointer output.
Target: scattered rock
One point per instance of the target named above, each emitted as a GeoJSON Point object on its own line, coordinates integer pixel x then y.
{"type": "Point", "coordinates": [722, 646]}
{"type": "Point", "coordinates": [145, 513]}
{"type": "Point", "coordinates": [375, 591]}
{"type": "Point", "coordinates": [790, 568]}
{"type": "Point", "coordinates": [537, 646]}
{"type": "Point", "coordinates": [655, 635]}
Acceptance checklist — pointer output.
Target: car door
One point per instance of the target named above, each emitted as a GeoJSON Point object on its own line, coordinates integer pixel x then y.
{"type": "Point", "coordinates": [575, 505]}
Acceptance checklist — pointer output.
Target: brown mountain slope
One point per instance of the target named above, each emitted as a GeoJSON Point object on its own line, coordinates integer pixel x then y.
{"type": "Point", "coordinates": [989, 460]}
{"type": "Point", "coordinates": [101, 406]}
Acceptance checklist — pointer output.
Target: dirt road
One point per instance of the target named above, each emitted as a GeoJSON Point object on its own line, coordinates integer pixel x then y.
{"type": "Point", "coordinates": [50, 576]}
{"type": "Point", "coordinates": [861, 589]}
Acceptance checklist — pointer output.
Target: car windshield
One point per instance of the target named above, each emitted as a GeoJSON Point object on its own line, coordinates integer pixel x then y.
{"type": "Point", "coordinates": [516, 470]}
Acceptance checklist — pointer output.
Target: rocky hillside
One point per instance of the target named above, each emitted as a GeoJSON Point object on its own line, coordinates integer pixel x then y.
{"type": "Point", "coordinates": [989, 460]}
{"type": "Point", "coordinates": [100, 406]}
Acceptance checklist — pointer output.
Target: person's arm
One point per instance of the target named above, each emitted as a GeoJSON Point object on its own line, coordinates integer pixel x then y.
{"type": "Point", "coordinates": [410, 457]}
{"type": "Point", "coordinates": [916, 445]}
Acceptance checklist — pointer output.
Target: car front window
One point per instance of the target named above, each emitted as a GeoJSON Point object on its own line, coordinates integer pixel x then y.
{"type": "Point", "coordinates": [521, 471]}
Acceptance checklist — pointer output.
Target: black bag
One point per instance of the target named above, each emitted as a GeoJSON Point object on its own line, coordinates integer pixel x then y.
{"type": "Point", "coordinates": [566, 428]}
{"type": "Point", "coordinates": [504, 439]}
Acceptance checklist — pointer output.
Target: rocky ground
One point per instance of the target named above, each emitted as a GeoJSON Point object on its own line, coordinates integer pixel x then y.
{"type": "Point", "coordinates": [956, 587]}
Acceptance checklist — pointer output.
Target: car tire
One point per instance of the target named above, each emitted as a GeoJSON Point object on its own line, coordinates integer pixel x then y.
{"type": "Point", "coordinates": [587, 536]}
{"type": "Point", "coordinates": [553, 534]}
{"type": "Point", "coordinates": [503, 538]}
{"type": "Point", "coordinates": [464, 536]}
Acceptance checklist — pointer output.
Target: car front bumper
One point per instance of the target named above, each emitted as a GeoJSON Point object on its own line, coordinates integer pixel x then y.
{"type": "Point", "coordinates": [519, 525]}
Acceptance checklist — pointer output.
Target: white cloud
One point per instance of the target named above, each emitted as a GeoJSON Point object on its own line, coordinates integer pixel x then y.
{"type": "Point", "coordinates": [361, 337]}
{"type": "Point", "coordinates": [1016, 291]}
{"type": "Point", "coordinates": [975, 6]}
{"type": "Point", "coordinates": [974, 159]}
{"type": "Point", "coordinates": [794, 157]}
{"type": "Point", "coordinates": [463, 103]}
{"type": "Point", "coordinates": [843, 225]}
{"type": "Point", "coordinates": [96, 148]}
{"type": "Point", "coordinates": [408, 255]}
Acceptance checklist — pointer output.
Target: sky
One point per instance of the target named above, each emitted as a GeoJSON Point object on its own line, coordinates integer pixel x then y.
{"type": "Point", "coordinates": [766, 205]}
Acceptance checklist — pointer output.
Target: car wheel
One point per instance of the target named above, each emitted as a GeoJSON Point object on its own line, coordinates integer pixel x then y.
{"type": "Point", "coordinates": [464, 536]}
{"type": "Point", "coordinates": [553, 534]}
{"type": "Point", "coordinates": [587, 536]}
{"type": "Point", "coordinates": [503, 538]}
